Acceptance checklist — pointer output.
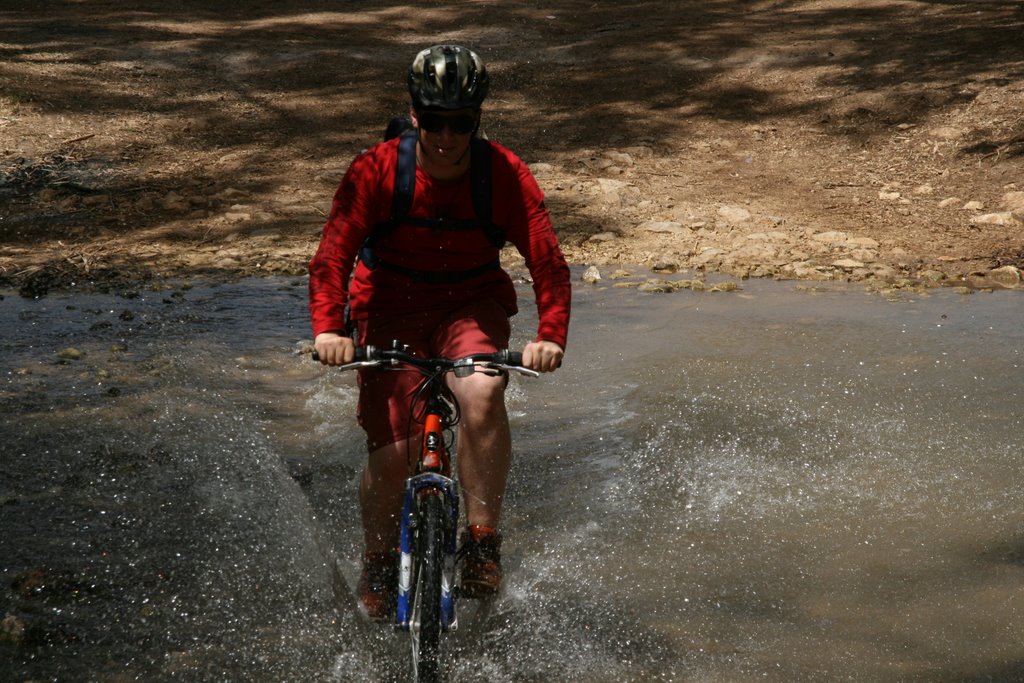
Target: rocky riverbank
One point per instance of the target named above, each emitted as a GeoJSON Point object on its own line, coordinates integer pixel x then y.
{"type": "Point", "coordinates": [787, 141]}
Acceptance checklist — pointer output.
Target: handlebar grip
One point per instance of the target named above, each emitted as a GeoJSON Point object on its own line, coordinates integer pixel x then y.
{"type": "Point", "coordinates": [514, 358]}
{"type": "Point", "coordinates": [363, 353]}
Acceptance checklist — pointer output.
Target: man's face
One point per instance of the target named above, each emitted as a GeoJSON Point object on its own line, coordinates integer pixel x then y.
{"type": "Point", "coordinates": [445, 135]}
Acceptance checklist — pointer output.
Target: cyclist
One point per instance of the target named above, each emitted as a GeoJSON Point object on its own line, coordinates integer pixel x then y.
{"type": "Point", "coordinates": [430, 276]}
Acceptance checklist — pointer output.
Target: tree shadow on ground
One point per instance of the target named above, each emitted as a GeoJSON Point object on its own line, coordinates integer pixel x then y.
{"type": "Point", "coordinates": [255, 93]}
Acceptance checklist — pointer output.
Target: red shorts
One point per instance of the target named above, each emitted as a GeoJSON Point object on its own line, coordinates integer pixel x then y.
{"type": "Point", "coordinates": [386, 412]}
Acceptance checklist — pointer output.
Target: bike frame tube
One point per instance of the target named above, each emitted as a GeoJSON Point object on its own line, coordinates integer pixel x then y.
{"type": "Point", "coordinates": [433, 457]}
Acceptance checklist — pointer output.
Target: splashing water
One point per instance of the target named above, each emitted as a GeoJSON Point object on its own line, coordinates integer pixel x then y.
{"type": "Point", "coordinates": [772, 485]}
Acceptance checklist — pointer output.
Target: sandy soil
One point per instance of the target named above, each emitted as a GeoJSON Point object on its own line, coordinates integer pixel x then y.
{"type": "Point", "coordinates": [825, 139]}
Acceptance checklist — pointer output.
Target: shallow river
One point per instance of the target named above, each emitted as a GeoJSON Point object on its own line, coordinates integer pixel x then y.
{"type": "Point", "coordinates": [768, 485]}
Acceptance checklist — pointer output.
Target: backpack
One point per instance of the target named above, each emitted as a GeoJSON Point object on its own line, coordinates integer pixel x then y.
{"type": "Point", "coordinates": [405, 187]}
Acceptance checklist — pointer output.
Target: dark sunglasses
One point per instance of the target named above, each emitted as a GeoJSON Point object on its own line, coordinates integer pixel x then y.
{"type": "Point", "coordinates": [459, 124]}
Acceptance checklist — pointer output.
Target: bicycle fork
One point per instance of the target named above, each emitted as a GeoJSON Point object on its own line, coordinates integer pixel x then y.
{"type": "Point", "coordinates": [417, 487]}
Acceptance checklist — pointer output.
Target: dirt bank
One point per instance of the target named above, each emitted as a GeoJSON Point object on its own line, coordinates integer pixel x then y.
{"type": "Point", "coordinates": [833, 139]}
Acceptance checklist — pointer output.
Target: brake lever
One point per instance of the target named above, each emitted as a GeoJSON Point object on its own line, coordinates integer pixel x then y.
{"type": "Point", "coordinates": [513, 368]}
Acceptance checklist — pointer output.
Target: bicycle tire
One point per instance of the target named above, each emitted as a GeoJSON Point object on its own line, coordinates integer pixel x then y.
{"type": "Point", "coordinates": [426, 616]}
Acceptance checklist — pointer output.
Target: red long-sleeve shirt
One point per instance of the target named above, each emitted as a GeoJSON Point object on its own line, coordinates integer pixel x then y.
{"type": "Point", "coordinates": [363, 200]}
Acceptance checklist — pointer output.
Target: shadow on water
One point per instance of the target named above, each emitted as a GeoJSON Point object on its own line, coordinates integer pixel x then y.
{"type": "Point", "coordinates": [768, 485]}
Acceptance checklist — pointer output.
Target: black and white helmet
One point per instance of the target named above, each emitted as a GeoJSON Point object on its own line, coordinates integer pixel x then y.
{"type": "Point", "coordinates": [447, 77]}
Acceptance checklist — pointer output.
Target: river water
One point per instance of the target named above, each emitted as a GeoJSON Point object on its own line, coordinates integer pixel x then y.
{"type": "Point", "coordinates": [776, 484]}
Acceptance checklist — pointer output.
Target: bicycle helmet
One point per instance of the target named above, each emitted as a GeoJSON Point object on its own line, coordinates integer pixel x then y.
{"type": "Point", "coordinates": [447, 77]}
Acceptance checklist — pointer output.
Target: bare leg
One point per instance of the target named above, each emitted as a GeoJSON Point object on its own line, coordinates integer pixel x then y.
{"type": "Point", "coordinates": [380, 495]}
{"type": "Point", "coordinates": [485, 446]}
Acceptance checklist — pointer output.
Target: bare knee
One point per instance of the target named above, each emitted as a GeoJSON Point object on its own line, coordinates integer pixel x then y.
{"type": "Point", "coordinates": [481, 398]}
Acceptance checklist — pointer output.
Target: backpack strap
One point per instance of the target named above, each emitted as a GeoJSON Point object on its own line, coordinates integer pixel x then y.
{"type": "Point", "coordinates": [401, 199]}
{"type": "Point", "coordinates": [405, 177]}
{"type": "Point", "coordinates": [480, 165]}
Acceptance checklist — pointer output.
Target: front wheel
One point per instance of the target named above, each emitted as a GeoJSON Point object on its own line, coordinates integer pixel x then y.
{"type": "Point", "coordinates": [425, 624]}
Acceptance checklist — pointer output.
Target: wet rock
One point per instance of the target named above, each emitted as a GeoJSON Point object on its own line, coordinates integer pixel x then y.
{"type": "Point", "coordinates": [591, 275]}
{"type": "Point", "coordinates": [654, 286]}
{"type": "Point", "coordinates": [665, 266]}
{"type": "Point", "coordinates": [12, 629]}
{"type": "Point", "coordinates": [46, 583]}
{"type": "Point", "coordinates": [978, 280]}
{"type": "Point", "coordinates": [1005, 277]}
{"type": "Point", "coordinates": [1008, 277]}
{"type": "Point", "coordinates": [933, 276]}
{"type": "Point", "coordinates": [802, 270]}
{"type": "Point", "coordinates": [69, 354]}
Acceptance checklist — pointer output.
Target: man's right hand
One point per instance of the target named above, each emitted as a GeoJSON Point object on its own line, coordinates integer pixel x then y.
{"type": "Point", "coordinates": [334, 349]}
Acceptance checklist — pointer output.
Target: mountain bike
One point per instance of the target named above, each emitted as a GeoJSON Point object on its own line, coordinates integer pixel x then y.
{"type": "Point", "coordinates": [427, 591]}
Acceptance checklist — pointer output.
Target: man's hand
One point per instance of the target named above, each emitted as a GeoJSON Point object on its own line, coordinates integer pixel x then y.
{"type": "Point", "coordinates": [334, 349]}
{"type": "Point", "coordinates": [543, 356]}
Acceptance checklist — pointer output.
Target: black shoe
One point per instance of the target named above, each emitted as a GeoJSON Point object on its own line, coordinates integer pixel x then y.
{"type": "Point", "coordinates": [378, 586]}
{"type": "Point", "coordinates": [481, 564]}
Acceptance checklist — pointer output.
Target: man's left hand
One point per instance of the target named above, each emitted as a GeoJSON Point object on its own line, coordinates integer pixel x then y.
{"type": "Point", "coordinates": [543, 356]}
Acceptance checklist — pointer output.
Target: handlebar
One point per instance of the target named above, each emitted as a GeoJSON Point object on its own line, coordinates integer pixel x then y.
{"type": "Point", "coordinates": [375, 357]}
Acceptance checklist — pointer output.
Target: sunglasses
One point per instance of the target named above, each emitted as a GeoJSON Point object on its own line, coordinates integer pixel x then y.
{"type": "Point", "coordinates": [459, 124]}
